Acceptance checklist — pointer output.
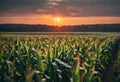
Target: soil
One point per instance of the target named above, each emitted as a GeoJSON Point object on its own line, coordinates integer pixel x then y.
{"type": "Point", "coordinates": [109, 76]}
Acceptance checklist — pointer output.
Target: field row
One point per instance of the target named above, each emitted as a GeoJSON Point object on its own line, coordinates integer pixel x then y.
{"type": "Point", "coordinates": [67, 58]}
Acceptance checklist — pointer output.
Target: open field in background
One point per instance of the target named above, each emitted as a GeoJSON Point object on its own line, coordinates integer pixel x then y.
{"type": "Point", "coordinates": [60, 33]}
{"type": "Point", "coordinates": [58, 57]}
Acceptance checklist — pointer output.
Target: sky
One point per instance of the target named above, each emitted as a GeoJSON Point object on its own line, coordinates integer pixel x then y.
{"type": "Point", "coordinates": [71, 12]}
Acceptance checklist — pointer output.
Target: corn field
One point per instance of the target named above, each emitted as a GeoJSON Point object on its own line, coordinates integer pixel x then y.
{"type": "Point", "coordinates": [56, 58]}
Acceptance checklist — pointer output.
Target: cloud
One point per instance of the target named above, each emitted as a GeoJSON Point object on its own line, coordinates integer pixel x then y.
{"type": "Point", "coordinates": [70, 8]}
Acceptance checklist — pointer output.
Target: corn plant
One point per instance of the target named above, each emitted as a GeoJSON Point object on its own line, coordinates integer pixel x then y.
{"type": "Point", "coordinates": [56, 58]}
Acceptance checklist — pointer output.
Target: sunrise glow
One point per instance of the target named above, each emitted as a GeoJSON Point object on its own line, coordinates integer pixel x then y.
{"type": "Point", "coordinates": [59, 12]}
{"type": "Point", "coordinates": [58, 19]}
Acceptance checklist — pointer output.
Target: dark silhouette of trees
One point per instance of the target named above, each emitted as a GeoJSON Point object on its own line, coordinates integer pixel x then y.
{"type": "Point", "coordinates": [48, 28]}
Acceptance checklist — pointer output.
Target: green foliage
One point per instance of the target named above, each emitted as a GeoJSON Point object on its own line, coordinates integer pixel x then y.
{"type": "Point", "coordinates": [60, 58]}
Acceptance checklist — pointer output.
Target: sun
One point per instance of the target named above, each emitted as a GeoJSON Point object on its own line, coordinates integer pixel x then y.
{"type": "Point", "coordinates": [58, 19]}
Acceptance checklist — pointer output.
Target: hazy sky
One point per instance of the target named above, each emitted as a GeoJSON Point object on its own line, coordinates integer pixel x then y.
{"type": "Point", "coordinates": [71, 11]}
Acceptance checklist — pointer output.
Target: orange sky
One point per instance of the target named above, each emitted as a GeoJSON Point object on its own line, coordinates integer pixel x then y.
{"type": "Point", "coordinates": [50, 20]}
{"type": "Point", "coordinates": [72, 12]}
